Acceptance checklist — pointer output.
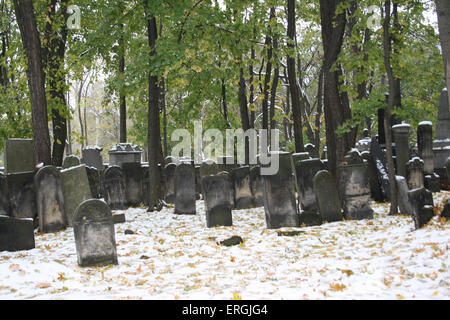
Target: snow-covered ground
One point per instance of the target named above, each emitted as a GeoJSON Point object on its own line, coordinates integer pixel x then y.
{"type": "Point", "coordinates": [177, 257]}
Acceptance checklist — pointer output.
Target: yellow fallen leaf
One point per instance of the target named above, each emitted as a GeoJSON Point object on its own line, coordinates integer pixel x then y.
{"type": "Point", "coordinates": [236, 296]}
{"type": "Point", "coordinates": [337, 286]}
{"type": "Point", "coordinates": [43, 285]}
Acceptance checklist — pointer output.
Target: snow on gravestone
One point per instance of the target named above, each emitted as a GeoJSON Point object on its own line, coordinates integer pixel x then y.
{"type": "Point", "coordinates": [93, 228]}
{"type": "Point", "coordinates": [218, 199]}
{"type": "Point", "coordinates": [414, 173]}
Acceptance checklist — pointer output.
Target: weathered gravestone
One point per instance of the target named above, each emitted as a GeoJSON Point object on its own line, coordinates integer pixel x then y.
{"type": "Point", "coordinates": [19, 155]}
{"type": "Point", "coordinates": [441, 146]}
{"type": "Point", "coordinates": [447, 168]}
{"type": "Point", "coordinates": [414, 173]}
{"type": "Point", "coordinates": [115, 188]}
{"type": "Point", "coordinates": [50, 200]}
{"type": "Point", "coordinates": [75, 187]}
{"type": "Point", "coordinates": [401, 137]}
{"type": "Point", "coordinates": [375, 187]}
{"type": "Point", "coordinates": [91, 157]}
{"type": "Point", "coordinates": [22, 195]}
{"type": "Point", "coordinates": [279, 195]}
{"type": "Point", "coordinates": [218, 200]}
{"type": "Point", "coordinates": [94, 181]}
{"type": "Point", "coordinates": [379, 161]}
{"type": "Point", "coordinates": [421, 201]}
{"type": "Point", "coordinates": [355, 189]}
{"type": "Point", "coordinates": [243, 198]}
{"type": "Point", "coordinates": [185, 188]}
{"type": "Point", "coordinates": [16, 234]}
{"type": "Point", "coordinates": [208, 167]}
{"type": "Point", "coordinates": [256, 185]}
{"type": "Point", "coordinates": [425, 149]}
{"type": "Point", "coordinates": [169, 175]}
{"type": "Point", "coordinates": [4, 196]}
{"type": "Point", "coordinates": [70, 161]}
{"type": "Point", "coordinates": [296, 157]}
{"type": "Point", "coordinates": [327, 197]}
{"type": "Point", "coordinates": [305, 172]}
{"type": "Point", "coordinates": [93, 228]}
{"type": "Point", "coordinates": [145, 183]}
{"type": "Point", "coordinates": [124, 152]}
{"type": "Point", "coordinates": [402, 195]}
{"type": "Point", "coordinates": [198, 183]}
{"type": "Point", "coordinates": [132, 174]}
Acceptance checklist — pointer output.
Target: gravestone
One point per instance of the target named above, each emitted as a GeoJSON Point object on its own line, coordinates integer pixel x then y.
{"type": "Point", "coordinates": [218, 200]}
{"type": "Point", "coordinates": [93, 228]}
{"type": "Point", "coordinates": [404, 205]}
{"type": "Point", "coordinates": [4, 196]}
{"type": "Point", "coordinates": [305, 172]}
{"type": "Point", "coordinates": [279, 195]}
{"type": "Point", "coordinates": [243, 198]}
{"type": "Point", "coordinates": [441, 146]}
{"type": "Point", "coordinates": [421, 200]}
{"type": "Point", "coordinates": [132, 175]}
{"type": "Point", "coordinates": [374, 183]}
{"type": "Point", "coordinates": [401, 137]}
{"type": "Point", "coordinates": [446, 210]}
{"type": "Point", "coordinates": [169, 174]}
{"type": "Point", "coordinates": [354, 183]}
{"type": "Point", "coordinates": [22, 195]}
{"type": "Point", "coordinates": [16, 234]}
{"type": "Point", "coordinates": [145, 183]}
{"type": "Point", "coordinates": [208, 167]}
{"type": "Point", "coordinates": [91, 157]}
{"type": "Point", "coordinates": [425, 149]}
{"type": "Point", "coordinates": [256, 186]}
{"type": "Point", "coordinates": [124, 152]}
{"type": "Point", "coordinates": [115, 188]}
{"type": "Point", "coordinates": [185, 188]}
{"type": "Point", "coordinates": [327, 196]}
{"type": "Point", "coordinates": [70, 161]}
{"type": "Point", "coordinates": [75, 187]}
{"type": "Point", "coordinates": [310, 148]}
{"type": "Point", "coordinates": [94, 181]}
{"type": "Point", "coordinates": [379, 160]}
{"type": "Point", "coordinates": [447, 168]}
{"type": "Point", "coordinates": [198, 183]}
{"type": "Point", "coordinates": [299, 156]}
{"type": "Point", "coordinates": [19, 155]}
{"type": "Point", "coordinates": [415, 175]}
{"type": "Point", "coordinates": [50, 200]}
{"type": "Point", "coordinates": [363, 145]}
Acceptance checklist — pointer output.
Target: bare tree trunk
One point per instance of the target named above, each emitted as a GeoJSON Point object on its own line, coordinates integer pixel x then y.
{"type": "Point", "coordinates": [122, 97]}
{"type": "Point", "coordinates": [443, 13]}
{"type": "Point", "coordinates": [265, 102]}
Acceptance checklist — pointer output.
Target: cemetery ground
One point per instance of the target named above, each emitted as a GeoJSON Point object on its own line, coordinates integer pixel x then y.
{"type": "Point", "coordinates": [169, 256]}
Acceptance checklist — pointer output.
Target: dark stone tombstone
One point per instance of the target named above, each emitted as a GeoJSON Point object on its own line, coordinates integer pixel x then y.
{"type": "Point", "coordinates": [441, 146]}
{"type": "Point", "coordinates": [115, 188]}
{"type": "Point", "coordinates": [401, 137]}
{"type": "Point", "coordinates": [208, 167]}
{"type": "Point", "coordinates": [420, 199]}
{"type": "Point", "coordinates": [311, 149]}
{"type": "Point", "coordinates": [198, 183]}
{"type": "Point", "coordinates": [425, 149]}
{"type": "Point", "coordinates": [16, 234]}
{"type": "Point", "coordinates": [169, 174]}
{"type": "Point", "coordinates": [91, 157]}
{"type": "Point", "coordinates": [19, 155]}
{"type": "Point", "coordinates": [70, 161]}
{"type": "Point", "coordinates": [218, 200]}
{"type": "Point", "coordinates": [185, 188]}
{"type": "Point", "coordinates": [50, 200]}
{"type": "Point", "coordinates": [4, 196]}
{"type": "Point", "coordinates": [446, 211]}
{"type": "Point", "coordinates": [243, 198]}
{"type": "Point", "coordinates": [93, 228]}
{"type": "Point", "coordinates": [354, 183]}
{"type": "Point", "coordinates": [374, 183]}
{"type": "Point", "coordinates": [22, 195]}
{"type": "Point", "coordinates": [124, 152]}
{"type": "Point", "coordinates": [402, 195]}
{"type": "Point", "coordinates": [256, 185]}
{"type": "Point", "coordinates": [94, 181]}
{"type": "Point", "coordinates": [447, 168]}
{"type": "Point", "coordinates": [327, 197]}
{"type": "Point", "coordinates": [414, 171]}
{"type": "Point", "coordinates": [379, 160]}
{"type": "Point", "coordinates": [305, 172]}
{"type": "Point", "coordinates": [132, 175]}
{"type": "Point", "coordinates": [145, 183]}
{"type": "Point", "coordinates": [279, 195]}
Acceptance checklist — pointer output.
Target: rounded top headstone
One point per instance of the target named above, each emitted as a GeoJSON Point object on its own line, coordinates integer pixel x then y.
{"type": "Point", "coordinates": [92, 210]}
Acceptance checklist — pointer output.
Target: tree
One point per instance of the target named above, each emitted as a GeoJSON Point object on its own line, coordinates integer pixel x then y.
{"type": "Point", "coordinates": [443, 13]}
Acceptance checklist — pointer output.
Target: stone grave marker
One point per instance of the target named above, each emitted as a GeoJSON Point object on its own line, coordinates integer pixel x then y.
{"type": "Point", "coordinates": [305, 172]}
{"type": "Point", "coordinates": [93, 228]}
{"type": "Point", "coordinates": [185, 188]}
{"type": "Point", "coordinates": [256, 186]}
{"type": "Point", "coordinates": [4, 196]}
{"type": "Point", "coordinates": [94, 181]}
{"type": "Point", "coordinates": [414, 172]}
{"type": "Point", "coordinates": [374, 183]}
{"type": "Point", "coordinates": [19, 155]}
{"type": "Point", "coordinates": [421, 201]}
{"type": "Point", "coordinates": [401, 137]}
{"type": "Point", "coordinates": [115, 188]}
{"type": "Point", "coordinates": [133, 178]}
{"type": "Point", "coordinates": [379, 160]}
{"type": "Point", "coordinates": [169, 174]}
{"type": "Point", "coordinates": [50, 200]}
{"type": "Point", "coordinates": [22, 195]}
{"type": "Point", "coordinates": [91, 157]}
{"type": "Point", "coordinates": [70, 161]}
{"type": "Point", "coordinates": [243, 198]}
{"type": "Point", "coordinates": [446, 210]}
{"type": "Point", "coordinates": [327, 197]}
{"type": "Point", "coordinates": [218, 200]}
{"type": "Point", "coordinates": [404, 205]}
{"type": "Point", "coordinates": [16, 234]}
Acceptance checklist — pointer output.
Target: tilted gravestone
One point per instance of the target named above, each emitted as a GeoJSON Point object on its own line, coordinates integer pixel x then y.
{"type": "Point", "coordinates": [19, 155]}
{"type": "Point", "coordinates": [91, 157]}
{"type": "Point", "coordinates": [185, 188]}
{"type": "Point", "coordinates": [4, 196]}
{"type": "Point", "coordinates": [305, 172]}
{"type": "Point", "coordinates": [414, 173]}
{"type": "Point", "coordinates": [256, 186]}
{"type": "Point", "coordinates": [115, 188]}
{"type": "Point", "coordinates": [93, 228]}
{"type": "Point", "coordinates": [401, 137]}
{"type": "Point", "coordinates": [16, 234]}
{"type": "Point", "coordinates": [71, 161]}
{"type": "Point", "coordinates": [402, 191]}
{"type": "Point", "coordinates": [421, 200]}
{"type": "Point", "coordinates": [243, 198]}
{"type": "Point", "coordinates": [94, 181]}
{"type": "Point", "coordinates": [218, 200]}
{"type": "Point", "coordinates": [327, 197]}
{"type": "Point", "coordinates": [75, 187]}
{"type": "Point", "coordinates": [50, 200]}
{"type": "Point", "coordinates": [279, 195]}
{"type": "Point", "coordinates": [374, 183]}
{"type": "Point", "coordinates": [22, 195]}
{"type": "Point", "coordinates": [169, 175]}
{"type": "Point", "coordinates": [132, 174]}
{"type": "Point", "coordinates": [379, 160]}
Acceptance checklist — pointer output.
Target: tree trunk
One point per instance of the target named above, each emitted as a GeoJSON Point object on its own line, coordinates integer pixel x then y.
{"type": "Point", "coordinates": [36, 79]}
{"type": "Point", "coordinates": [273, 91]}
{"type": "Point", "coordinates": [267, 77]}
{"type": "Point", "coordinates": [122, 97]}
{"type": "Point", "coordinates": [443, 13]}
